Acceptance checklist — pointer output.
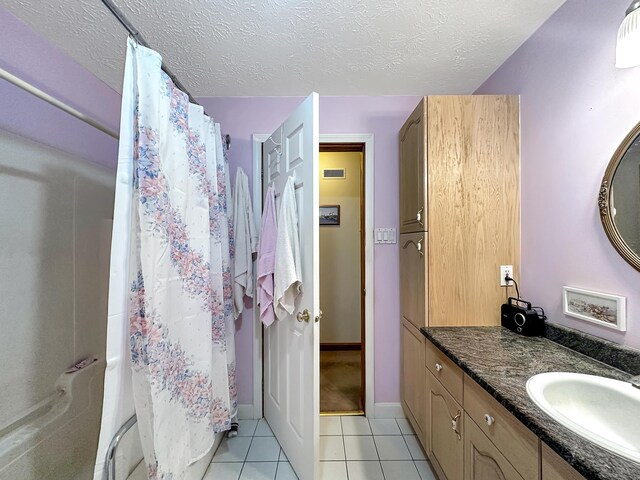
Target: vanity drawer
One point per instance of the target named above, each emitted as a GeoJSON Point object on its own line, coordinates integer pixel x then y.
{"type": "Point", "coordinates": [517, 443]}
{"type": "Point", "coordinates": [443, 368]}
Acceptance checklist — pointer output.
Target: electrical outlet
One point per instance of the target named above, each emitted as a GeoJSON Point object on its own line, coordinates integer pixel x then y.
{"type": "Point", "coordinates": [504, 271]}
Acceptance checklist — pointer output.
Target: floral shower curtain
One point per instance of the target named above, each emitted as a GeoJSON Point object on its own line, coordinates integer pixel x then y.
{"type": "Point", "coordinates": [179, 304]}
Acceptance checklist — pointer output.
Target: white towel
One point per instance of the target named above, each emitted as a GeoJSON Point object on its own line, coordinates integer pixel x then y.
{"type": "Point", "coordinates": [245, 239]}
{"type": "Point", "coordinates": [287, 276]}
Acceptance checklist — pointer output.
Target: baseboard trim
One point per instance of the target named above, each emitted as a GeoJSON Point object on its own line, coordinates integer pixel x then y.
{"type": "Point", "coordinates": [333, 347]}
{"type": "Point", "coordinates": [388, 410]}
{"type": "Point", "coordinates": [380, 410]}
{"type": "Point", "coordinates": [245, 412]}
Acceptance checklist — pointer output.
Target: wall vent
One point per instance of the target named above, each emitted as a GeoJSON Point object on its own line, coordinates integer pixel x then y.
{"type": "Point", "coordinates": [333, 173]}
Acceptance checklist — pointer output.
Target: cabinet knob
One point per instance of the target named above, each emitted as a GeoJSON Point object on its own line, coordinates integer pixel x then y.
{"type": "Point", "coordinates": [489, 419]}
{"type": "Point", "coordinates": [439, 367]}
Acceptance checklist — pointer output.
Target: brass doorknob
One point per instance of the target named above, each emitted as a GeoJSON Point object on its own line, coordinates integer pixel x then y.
{"type": "Point", "coordinates": [303, 316]}
{"type": "Point", "coordinates": [319, 317]}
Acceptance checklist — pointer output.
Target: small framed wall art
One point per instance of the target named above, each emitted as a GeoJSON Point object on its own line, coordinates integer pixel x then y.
{"type": "Point", "coordinates": [329, 214]}
{"type": "Point", "coordinates": [595, 307]}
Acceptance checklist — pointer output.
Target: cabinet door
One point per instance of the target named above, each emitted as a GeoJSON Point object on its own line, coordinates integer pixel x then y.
{"type": "Point", "coordinates": [516, 442]}
{"type": "Point", "coordinates": [555, 468]}
{"type": "Point", "coordinates": [444, 429]}
{"type": "Point", "coordinates": [474, 205]}
{"type": "Point", "coordinates": [413, 172]}
{"type": "Point", "coordinates": [413, 278]}
{"type": "Point", "coordinates": [483, 461]}
{"type": "Point", "coordinates": [412, 381]}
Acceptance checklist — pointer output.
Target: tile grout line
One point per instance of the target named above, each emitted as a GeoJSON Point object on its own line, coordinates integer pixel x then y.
{"type": "Point", "coordinates": [426, 458]}
{"type": "Point", "coordinates": [344, 448]}
{"type": "Point", "coordinates": [377, 452]}
{"type": "Point", "coordinates": [277, 466]}
{"type": "Point", "coordinates": [247, 454]}
{"type": "Point", "coordinates": [405, 442]}
{"type": "Point", "coordinates": [411, 454]}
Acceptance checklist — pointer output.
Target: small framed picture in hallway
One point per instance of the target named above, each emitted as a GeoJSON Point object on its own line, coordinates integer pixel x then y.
{"type": "Point", "coordinates": [329, 214]}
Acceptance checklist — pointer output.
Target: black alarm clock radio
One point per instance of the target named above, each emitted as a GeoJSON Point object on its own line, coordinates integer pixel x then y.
{"type": "Point", "coordinates": [523, 319]}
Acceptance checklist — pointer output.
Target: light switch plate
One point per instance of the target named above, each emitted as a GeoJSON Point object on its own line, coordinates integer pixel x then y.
{"type": "Point", "coordinates": [385, 236]}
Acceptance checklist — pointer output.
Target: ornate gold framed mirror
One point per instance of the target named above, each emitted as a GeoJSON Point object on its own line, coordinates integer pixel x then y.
{"type": "Point", "coordinates": [619, 199]}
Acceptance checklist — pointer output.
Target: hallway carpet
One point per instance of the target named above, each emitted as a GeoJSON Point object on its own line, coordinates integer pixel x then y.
{"type": "Point", "coordinates": [340, 382]}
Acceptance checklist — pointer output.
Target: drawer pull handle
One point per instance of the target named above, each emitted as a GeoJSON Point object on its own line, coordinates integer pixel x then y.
{"type": "Point", "coordinates": [439, 367]}
{"type": "Point", "coordinates": [419, 216]}
{"type": "Point", "coordinates": [454, 424]}
{"type": "Point", "coordinates": [489, 419]}
{"type": "Point", "coordinates": [418, 245]}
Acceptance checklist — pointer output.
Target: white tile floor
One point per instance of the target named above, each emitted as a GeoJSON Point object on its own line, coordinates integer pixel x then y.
{"type": "Point", "coordinates": [351, 448]}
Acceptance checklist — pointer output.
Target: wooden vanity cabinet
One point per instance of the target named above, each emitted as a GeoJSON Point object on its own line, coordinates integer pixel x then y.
{"type": "Point", "coordinates": [468, 434]}
{"type": "Point", "coordinates": [444, 430]}
{"type": "Point", "coordinates": [444, 370]}
{"type": "Point", "coordinates": [516, 443]}
{"type": "Point", "coordinates": [482, 459]}
{"type": "Point", "coordinates": [412, 378]}
{"type": "Point", "coordinates": [555, 468]}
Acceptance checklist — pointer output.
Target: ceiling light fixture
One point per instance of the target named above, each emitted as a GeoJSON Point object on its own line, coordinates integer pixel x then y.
{"type": "Point", "coordinates": [628, 47]}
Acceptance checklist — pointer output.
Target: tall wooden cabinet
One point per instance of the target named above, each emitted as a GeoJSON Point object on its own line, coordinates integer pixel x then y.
{"type": "Point", "coordinates": [459, 220]}
{"type": "Point", "coordinates": [459, 207]}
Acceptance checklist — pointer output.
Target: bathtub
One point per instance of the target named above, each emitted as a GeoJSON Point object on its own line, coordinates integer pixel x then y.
{"type": "Point", "coordinates": [57, 438]}
{"type": "Point", "coordinates": [195, 472]}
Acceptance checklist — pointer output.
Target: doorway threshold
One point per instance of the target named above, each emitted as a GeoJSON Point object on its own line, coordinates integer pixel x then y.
{"type": "Point", "coordinates": [350, 413]}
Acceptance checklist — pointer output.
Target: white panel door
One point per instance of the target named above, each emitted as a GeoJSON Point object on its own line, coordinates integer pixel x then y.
{"type": "Point", "coordinates": [291, 353]}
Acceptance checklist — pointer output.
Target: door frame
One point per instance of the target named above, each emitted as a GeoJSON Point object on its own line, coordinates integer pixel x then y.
{"type": "Point", "coordinates": [369, 338]}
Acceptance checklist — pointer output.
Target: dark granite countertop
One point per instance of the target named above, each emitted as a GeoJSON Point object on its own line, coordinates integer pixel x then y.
{"type": "Point", "coordinates": [502, 362]}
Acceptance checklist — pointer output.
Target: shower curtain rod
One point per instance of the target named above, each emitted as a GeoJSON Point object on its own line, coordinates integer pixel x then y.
{"type": "Point", "coordinates": [137, 36]}
{"type": "Point", "coordinates": [33, 90]}
{"type": "Point", "coordinates": [27, 87]}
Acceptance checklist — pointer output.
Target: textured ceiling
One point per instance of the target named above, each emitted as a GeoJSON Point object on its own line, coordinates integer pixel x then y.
{"type": "Point", "coordinates": [291, 47]}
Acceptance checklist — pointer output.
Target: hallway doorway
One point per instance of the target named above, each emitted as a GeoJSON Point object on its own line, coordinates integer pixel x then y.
{"type": "Point", "coordinates": [342, 274]}
{"type": "Point", "coordinates": [365, 143]}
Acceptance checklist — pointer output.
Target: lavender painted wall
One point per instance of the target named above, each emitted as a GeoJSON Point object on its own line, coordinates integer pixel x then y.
{"type": "Point", "coordinates": [383, 116]}
{"type": "Point", "coordinates": [576, 108]}
{"type": "Point", "coordinates": [31, 57]}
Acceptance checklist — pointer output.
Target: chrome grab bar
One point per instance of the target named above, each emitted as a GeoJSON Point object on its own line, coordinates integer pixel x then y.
{"type": "Point", "coordinates": [109, 472]}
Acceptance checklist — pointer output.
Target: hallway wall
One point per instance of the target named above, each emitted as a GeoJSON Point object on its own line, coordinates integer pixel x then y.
{"type": "Point", "coordinates": [340, 282]}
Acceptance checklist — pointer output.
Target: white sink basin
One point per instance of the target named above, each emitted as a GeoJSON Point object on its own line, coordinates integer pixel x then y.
{"type": "Point", "coordinates": [602, 410]}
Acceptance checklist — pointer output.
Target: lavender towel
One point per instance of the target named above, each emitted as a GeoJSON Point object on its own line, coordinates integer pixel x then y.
{"type": "Point", "coordinates": [267, 259]}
